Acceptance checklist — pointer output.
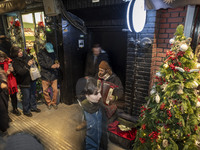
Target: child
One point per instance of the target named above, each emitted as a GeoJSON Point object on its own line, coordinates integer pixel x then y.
{"type": "Point", "coordinates": [93, 115]}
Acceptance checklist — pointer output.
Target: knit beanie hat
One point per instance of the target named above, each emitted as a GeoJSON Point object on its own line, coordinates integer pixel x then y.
{"type": "Point", "coordinates": [105, 65]}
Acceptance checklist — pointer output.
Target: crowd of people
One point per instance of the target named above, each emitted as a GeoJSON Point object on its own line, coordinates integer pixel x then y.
{"type": "Point", "coordinates": [15, 73]}
{"type": "Point", "coordinates": [97, 95]}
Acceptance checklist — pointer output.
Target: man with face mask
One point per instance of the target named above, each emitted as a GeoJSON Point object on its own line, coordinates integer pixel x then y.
{"type": "Point", "coordinates": [49, 71]}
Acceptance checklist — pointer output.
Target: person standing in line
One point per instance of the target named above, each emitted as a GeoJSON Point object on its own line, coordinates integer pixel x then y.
{"type": "Point", "coordinates": [49, 72]}
{"type": "Point", "coordinates": [4, 97]}
{"type": "Point", "coordinates": [21, 65]}
{"type": "Point", "coordinates": [6, 65]}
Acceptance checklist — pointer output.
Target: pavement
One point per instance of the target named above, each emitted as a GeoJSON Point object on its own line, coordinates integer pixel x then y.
{"type": "Point", "coordinates": [55, 129]}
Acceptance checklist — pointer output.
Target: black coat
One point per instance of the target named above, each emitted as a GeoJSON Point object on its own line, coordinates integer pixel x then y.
{"type": "Point", "coordinates": [91, 69]}
{"type": "Point", "coordinates": [4, 97]}
{"type": "Point", "coordinates": [46, 60]}
{"type": "Point", "coordinates": [22, 70]}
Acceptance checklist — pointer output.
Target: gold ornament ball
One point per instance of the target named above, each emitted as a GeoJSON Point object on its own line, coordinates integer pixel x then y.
{"type": "Point", "coordinates": [165, 66]}
{"type": "Point", "coordinates": [144, 134]}
{"type": "Point", "coordinates": [167, 129]}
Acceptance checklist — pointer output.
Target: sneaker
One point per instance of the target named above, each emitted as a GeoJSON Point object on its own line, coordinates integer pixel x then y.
{"type": "Point", "coordinates": [16, 112]}
{"type": "Point", "coordinates": [55, 106]}
{"type": "Point", "coordinates": [81, 126]}
{"type": "Point", "coordinates": [49, 106]}
{"type": "Point", "coordinates": [28, 114]}
{"type": "Point", "coordinates": [37, 110]}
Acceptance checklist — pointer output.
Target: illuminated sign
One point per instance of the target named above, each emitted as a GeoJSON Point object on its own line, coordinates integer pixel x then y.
{"type": "Point", "coordinates": [136, 15]}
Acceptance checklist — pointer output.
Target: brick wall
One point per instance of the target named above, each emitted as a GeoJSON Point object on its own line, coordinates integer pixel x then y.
{"type": "Point", "coordinates": [142, 68]}
{"type": "Point", "coordinates": [160, 27]}
{"type": "Point", "coordinates": [166, 23]}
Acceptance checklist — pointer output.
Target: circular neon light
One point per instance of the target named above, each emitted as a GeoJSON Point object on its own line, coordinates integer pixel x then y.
{"type": "Point", "coordinates": [127, 15]}
{"type": "Point", "coordinates": [139, 15]}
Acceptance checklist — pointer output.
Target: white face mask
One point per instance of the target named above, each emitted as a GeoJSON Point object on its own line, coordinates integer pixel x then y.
{"type": "Point", "coordinates": [94, 98]}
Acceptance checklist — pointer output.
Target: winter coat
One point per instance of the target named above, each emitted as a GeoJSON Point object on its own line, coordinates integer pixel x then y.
{"type": "Point", "coordinates": [92, 68]}
{"type": "Point", "coordinates": [46, 60]}
{"type": "Point", "coordinates": [12, 83]}
{"type": "Point", "coordinates": [4, 97]}
{"type": "Point", "coordinates": [22, 70]}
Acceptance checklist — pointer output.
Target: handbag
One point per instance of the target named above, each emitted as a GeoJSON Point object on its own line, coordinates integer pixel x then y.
{"type": "Point", "coordinates": [34, 72]}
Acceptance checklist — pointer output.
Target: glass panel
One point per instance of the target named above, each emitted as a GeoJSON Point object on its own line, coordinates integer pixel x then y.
{"type": "Point", "coordinates": [39, 17]}
{"type": "Point", "coordinates": [29, 26]}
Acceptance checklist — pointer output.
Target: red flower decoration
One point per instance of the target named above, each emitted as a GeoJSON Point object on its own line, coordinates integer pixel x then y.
{"type": "Point", "coordinates": [169, 53]}
{"type": "Point", "coordinates": [172, 66]}
{"type": "Point", "coordinates": [41, 24]}
{"type": "Point", "coordinates": [17, 23]}
{"type": "Point", "coordinates": [180, 53]}
{"type": "Point", "coordinates": [143, 126]}
{"type": "Point", "coordinates": [143, 109]}
{"type": "Point", "coordinates": [162, 106]}
{"type": "Point", "coordinates": [196, 127]}
{"type": "Point", "coordinates": [154, 135]}
{"type": "Point", "coordinates": [142, 140]}
{"type": "Point", "coordinates": [187, 69]}
{"type": "Point", "coordinates": [169, 114]}
{"type": "Point", "coordinates": [28, 51]}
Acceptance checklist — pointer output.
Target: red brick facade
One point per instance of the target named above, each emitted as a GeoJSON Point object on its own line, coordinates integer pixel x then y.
{"type": "Point", "coordinates": [166, 22]}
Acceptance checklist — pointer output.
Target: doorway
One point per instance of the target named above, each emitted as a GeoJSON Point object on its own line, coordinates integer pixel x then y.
{"type": "Point", "coordinates": [114, 42]}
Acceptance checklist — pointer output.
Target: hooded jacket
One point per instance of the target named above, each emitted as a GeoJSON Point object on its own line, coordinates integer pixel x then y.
{"type": "Point", "coordinates": [46, 60]}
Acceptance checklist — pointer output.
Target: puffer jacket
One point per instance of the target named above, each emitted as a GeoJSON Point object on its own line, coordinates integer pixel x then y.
{"type": "Point", "coordinates": [46, 60]}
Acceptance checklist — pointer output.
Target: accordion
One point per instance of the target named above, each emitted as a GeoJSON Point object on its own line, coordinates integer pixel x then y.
{"type": "Point", "coordinates": [107, 89]}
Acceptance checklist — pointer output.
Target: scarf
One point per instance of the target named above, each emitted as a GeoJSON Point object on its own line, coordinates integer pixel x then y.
{"type": "Point", "coordinates": [90, 107]}
{"type": "Point", "coordinates": [12, 83]}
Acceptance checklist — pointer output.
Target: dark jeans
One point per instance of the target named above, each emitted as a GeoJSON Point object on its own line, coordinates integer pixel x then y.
{"type": "Point", "coordinates": [14, 100]}
{"type": "Point", "coordinates": [28, 98]}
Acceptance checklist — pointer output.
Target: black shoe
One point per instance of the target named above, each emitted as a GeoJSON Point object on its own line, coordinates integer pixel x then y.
{"type": "Point", "coordinates": [49, 106]}
{"type": "Point", "coordinates": [55, 106]}
{"type": "Point", "coordinates": [37, 110]}
{"type": "Point", "coordinates": [9, 119]}
{"type": "Point", "coordinates": [28, 114]}
{"type": "Point", "coordinates": [16, 112]}
{"type": "Point", "coordinates": [3, 134]}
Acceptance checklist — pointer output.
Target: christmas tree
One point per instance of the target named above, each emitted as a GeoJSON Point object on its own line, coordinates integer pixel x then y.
{"type": "Point", "coordinates": [169, 120]}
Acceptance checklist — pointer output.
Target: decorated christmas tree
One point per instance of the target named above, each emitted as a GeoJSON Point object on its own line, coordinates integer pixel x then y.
{"type": "Point", "coordinates": [169, 120]}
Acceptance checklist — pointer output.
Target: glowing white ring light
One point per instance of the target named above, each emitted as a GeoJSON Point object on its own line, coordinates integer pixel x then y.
{"type": "Point", "coordinates": [128, 14]}
{"type": "Point", "coordinates": [138, 19]}
{"type": "Point", "coordinates": [138, 15]}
